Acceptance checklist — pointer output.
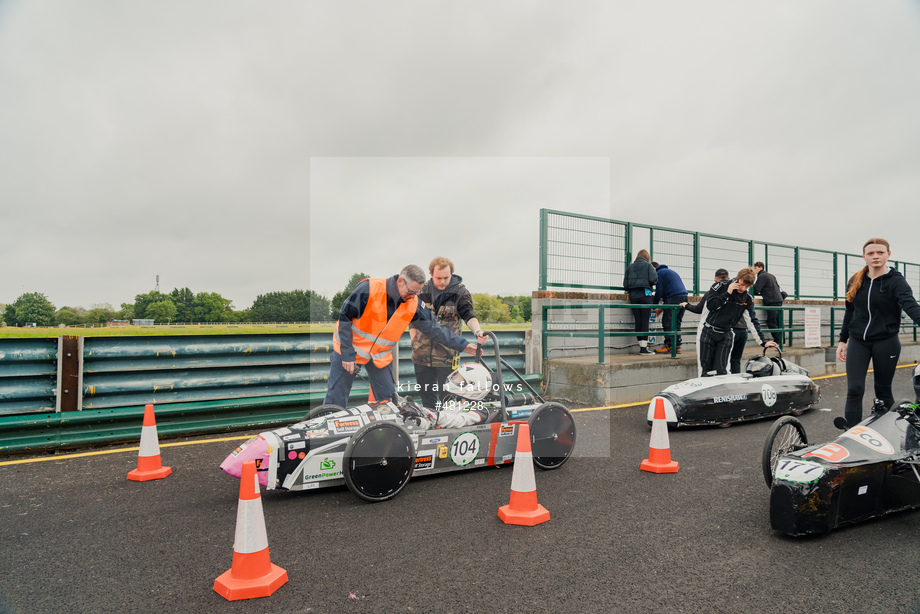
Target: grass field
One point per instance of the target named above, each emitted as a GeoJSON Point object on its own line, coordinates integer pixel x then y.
{"type": "Point", "coordinates": [191, 329]}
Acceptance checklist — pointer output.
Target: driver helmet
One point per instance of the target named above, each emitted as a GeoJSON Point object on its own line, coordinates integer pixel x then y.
{"type": "Point", "coordinates": [759, 366]}
{"type": "Point", "coordinates": [470, 381]}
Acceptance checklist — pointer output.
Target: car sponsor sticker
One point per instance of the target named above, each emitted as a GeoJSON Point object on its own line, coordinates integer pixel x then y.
{"type": "Point", "coordinates": [730, 398]}
{"type": "Point", "coordinates": [768, 395]}
{"type": "Point", "coordinates": [297, 445]}
{"type": "Point", "coordinates": [284, 431]}
{"type": "Point", "coordinates": [430, 441]}
{"type": "Point", "coordinates": [291, 437]}
{"type": "Point", "coordinates": [315, 433]}
{"type": "Point", "coordinates": [832, 452]}
{"type": "Point", "coordinates": [424, 460]}
{"type": "Point", "coordinates": [343, 426]}
{"type": "Point", "coordinates": [803, 472]}
{"type": "Point", "coordinates": [869, 438]}
{"type": "Point", "coordinates": [464, 449]}
{"type": "Point", "coordinates": [506, 431]}
{"type": "Point", "coordinates": [480, 461]}
{"type": "Point", "coordinates": [442, 450]}
{"type": "Point", "coordinates": [519, 413]}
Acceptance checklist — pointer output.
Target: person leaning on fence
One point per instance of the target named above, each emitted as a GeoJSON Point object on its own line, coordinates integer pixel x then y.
{"type": "Point", "coordinates": [768, 288]}
{"type": "Point", "coordinates": [638, 281]}
{"type": "Point", "coordinates": [452, 305]}
{"type": "Point", "coordinates": [670, 290]}
{"type": "Point", "coordinates": [875, 297]}
{"type": "Point", "coordinates": [372, 319]}
{"type": "Point", "coordinates": [728, 301]}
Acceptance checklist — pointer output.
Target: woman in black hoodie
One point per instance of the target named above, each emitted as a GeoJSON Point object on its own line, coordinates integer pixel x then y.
{"type": "Point", "coordinates": [875, 297]}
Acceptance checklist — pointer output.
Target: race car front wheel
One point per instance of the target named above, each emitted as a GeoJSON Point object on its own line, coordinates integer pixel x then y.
{"type": "Point", "coordinates": [379, 460]}
{"type": "Point", "coordinates": [323, 410]}
{"type": "Point", "coordinates": [552, 435]}
{"type": "Point", "coordinates": [786, 435]}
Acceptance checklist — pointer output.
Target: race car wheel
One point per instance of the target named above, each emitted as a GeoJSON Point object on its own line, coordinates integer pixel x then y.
{"type": "Point", "coordinates": [379, 460]}
{"type": "Point", "coordinates": [552, 435]}
{"type": "Point", "coordinates": [786, 435]}
{"type": "Point", "coordinates": [323, 410]}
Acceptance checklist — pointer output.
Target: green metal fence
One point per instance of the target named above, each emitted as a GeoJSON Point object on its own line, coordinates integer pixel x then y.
{"type": "Point", "coordinates": [585, 252]}
{"type": "Point", "coordinates": [603, 330]}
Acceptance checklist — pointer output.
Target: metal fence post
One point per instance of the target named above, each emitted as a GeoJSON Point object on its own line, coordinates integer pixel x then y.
{"type": "Point", "coordinates": [601, 329]}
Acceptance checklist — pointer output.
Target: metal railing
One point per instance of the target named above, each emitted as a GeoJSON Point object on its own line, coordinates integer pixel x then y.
{"type": "Point", "coordinates": [580, 251]}
{"type": "Point", "coordinates": [601, 333]}
{"type": "Point", "coordinates": [836, 327]}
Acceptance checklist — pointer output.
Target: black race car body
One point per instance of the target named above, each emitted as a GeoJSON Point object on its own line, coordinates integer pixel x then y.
{"type": "Point", "coordinates": [868, 471]}
{"type": "Point", "coordinates": [769, 387]}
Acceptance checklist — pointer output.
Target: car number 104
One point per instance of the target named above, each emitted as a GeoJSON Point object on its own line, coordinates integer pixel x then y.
{"type": "Point", "coordinates": [798, 471]}
{"type": "Point", "coordinates": [464, 449]}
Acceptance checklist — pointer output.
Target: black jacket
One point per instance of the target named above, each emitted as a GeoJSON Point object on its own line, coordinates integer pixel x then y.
{"type": "Point", "coordinates": [875, 312]}
{"type": "Point", "coordinates": [725, 309]}
{"type": "Point", "coordinates": [640, 275]}
{"type": "Point", "coordinates": [768, 288]}
{"type": "Point", "coordinates": [698, 309]}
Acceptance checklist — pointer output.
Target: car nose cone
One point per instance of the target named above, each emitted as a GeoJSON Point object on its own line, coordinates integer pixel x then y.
{"type": "Point", "coordinates": [255, 449]}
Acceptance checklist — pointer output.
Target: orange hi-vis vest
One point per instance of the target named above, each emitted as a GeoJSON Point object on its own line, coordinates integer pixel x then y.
{"type": "Point", "coordinates": [373, 336]}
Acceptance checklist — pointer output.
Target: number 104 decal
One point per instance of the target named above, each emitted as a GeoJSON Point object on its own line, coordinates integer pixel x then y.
{"type": "Point", "coordinates": [464, 449]}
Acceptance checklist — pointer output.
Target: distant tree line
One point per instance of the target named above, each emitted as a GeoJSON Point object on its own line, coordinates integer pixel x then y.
{"type": "Point", "coordinates": [183, 305]}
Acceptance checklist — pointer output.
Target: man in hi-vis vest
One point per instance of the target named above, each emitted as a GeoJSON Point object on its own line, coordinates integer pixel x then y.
{"type": "Point", "coordinates": [371, 321]}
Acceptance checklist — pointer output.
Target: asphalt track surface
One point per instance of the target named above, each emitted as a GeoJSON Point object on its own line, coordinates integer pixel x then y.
{"type": "Point", "coordinates": [76, 536]}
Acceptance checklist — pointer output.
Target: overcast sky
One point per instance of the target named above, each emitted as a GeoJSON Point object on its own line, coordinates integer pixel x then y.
{"type": "Point", "coordinates": [248, 147]}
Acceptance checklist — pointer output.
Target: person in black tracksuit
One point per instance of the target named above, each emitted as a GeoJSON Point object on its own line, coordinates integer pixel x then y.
{"type": "Point", "coordinates": [875, 297]}
{"type": "Point", "coordinates": [728, 301]}
{"type": "Point", "coordinates": [638, 281]}
{"type": "Point", "coordinates": [739, 328]}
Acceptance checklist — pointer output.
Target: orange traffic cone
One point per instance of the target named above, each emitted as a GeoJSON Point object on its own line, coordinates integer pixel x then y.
{"type": "Point", "coordinates": [148, 458]}
{"type": "Point", "coordinates": [659, 450]}
{"type": "Point", "coordinates": [523, 508]}
{"type": "Point", "coordinates": [252, 573]}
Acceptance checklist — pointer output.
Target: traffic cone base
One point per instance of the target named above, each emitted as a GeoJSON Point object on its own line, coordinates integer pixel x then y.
{"type": "Point", "coordinates": [149, 468]}
{"type": "Point", "coordinates": [233, 588]}
{"type": "Point", "coordinates": [523, 508]}
{"type": "Point", "coordinates": [663, 465]}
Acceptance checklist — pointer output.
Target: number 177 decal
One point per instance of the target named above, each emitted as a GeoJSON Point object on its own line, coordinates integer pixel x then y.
{"type": "Point", "coordinates": [798, 471]}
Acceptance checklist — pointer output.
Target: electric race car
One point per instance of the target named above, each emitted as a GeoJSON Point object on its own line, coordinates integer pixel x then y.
{"type": "Point", "coordinates": [869, 471]}
{"type": "Point", "coordinates": [770, 386]}
{"type": "Point", "coordinates": [375, 448]}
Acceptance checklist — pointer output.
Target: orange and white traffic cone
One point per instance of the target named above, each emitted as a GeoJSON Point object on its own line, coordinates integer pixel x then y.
{"type": "Point", "coordinates": [659, 450]}
{"type": "Point", "coordinates": [148, 457]}
{"type": "Point", "coordinates": [252, 574]}
{"type": "Point", "coordinates": [523, 508]}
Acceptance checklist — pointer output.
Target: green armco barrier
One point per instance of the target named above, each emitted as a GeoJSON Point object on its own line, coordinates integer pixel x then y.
{"type": "Point", "coordinates": [199, 384]}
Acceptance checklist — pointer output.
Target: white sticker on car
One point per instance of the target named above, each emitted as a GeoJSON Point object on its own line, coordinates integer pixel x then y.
{"type": "Point", "coordinates": [768, 395]}
{"type": "Point", "coordinates": [870, 439]}
{"type": "Point", "coordinates": [464, 449]}
{"type": "Point", "coordinates": [803, 472]}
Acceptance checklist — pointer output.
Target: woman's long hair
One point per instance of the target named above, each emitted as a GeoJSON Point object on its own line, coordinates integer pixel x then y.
{"type": "Point", "coordinates": [856, 282]}
{"type": "Point", "coordinates": [643, 254]}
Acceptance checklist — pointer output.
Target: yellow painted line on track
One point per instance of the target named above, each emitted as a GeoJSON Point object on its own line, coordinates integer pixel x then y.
{"type": "Point", "coordinates": [219, 439]}
{"type": "Point", "coordinates": [119, 450]}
